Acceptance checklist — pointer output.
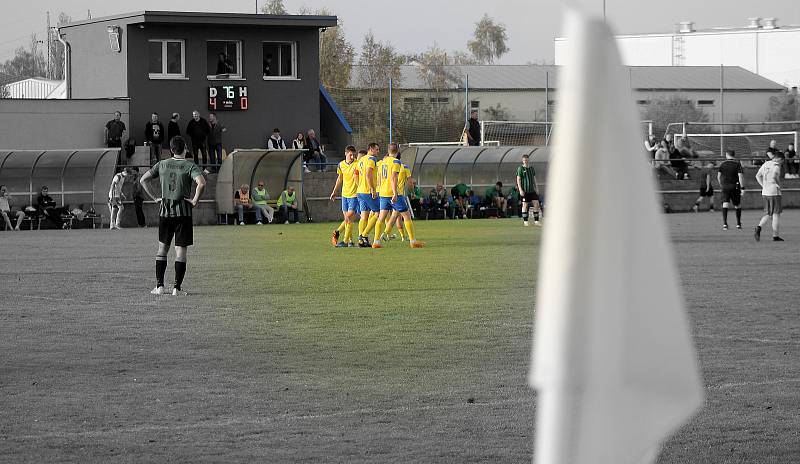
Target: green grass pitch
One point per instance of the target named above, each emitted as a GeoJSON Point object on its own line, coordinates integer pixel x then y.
{"type": "Point", "coordinates": [289, 350]}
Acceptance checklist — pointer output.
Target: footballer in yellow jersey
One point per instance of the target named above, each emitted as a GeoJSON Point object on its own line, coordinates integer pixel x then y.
{"type": "Point", "coordinates": [392, 195]}
{"type": "Point", "coordinates": [347, 180]}
{"type": "Point", "coordinates": [369, 207]}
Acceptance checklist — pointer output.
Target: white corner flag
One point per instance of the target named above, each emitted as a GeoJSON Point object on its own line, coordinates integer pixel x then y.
{"type": "Point", "coordinates": [613, 361]}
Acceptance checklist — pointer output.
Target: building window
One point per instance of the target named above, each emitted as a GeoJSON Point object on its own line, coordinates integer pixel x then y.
{"type": "Point", "coordinates": [280, 60]}
{"type": "Point", "coordinates": [351, 100]}
{"type": "Point", "coordinates": [643, 102]}
{"type": "Point", "coordinates": [377, 99]}
{"type": "Point", "coordinates": [551, 103]}
{"type": "Point", "coordinates": [440, 99]}
{"type": "Point", "coordinates": [413, 100]}
{"type": "Point", "coordinates": [475, 104]}
{"type": "Point", "coordinates": [705, 102]}
{"type": "Point", "coordinates": [167, 59]}
{"type": "Point", "coordinates": [224, 59]}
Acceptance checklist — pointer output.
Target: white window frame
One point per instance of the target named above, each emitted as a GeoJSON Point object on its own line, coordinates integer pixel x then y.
{"type": "Point", "coordinates": [293, 76]}
{"type": "Point", "coordinates": [231, 77]}
{"type": "Point", "coordinates": [164, 65]}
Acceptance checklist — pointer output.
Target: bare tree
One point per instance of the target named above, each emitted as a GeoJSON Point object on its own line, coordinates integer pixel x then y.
{"type": "Point", "coordinates": [57, 49]}
{"type": "Point", "coordinates": [274, 7]}
{"type": "Point", "coordinates": [489, 41]}
{"type": "Point", "coordinates": [378, 63]}
{"type": "Point", "coordinates": [336, 55]}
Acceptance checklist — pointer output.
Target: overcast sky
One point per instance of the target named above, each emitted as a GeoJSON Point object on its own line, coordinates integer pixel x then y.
{"type": "Point", "coordinates": [414, 25]}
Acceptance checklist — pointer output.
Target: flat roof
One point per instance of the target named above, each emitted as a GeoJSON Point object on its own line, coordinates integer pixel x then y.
{"type": "Point", "coordinates": [203, 18]}
{"type": "Point", "coordinates": [528, 77]}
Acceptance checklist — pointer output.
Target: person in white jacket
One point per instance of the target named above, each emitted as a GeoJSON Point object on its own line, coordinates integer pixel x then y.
{"type": "Point", "coordinates": [115, 197]}
{"type": "Point", "coordinates": [769, 178]}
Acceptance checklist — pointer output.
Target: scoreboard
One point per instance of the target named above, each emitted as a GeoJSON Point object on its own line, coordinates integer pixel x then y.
{"type": "Point", "coordinates": [227, 98]}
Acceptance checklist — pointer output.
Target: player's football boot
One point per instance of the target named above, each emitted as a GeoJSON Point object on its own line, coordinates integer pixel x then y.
{"type": "Point", "coordinates": [377, 245]}
{"type": "Point", "coordinates": [178, 292]}
{"type": "Point", "coordinates": [777, 239]}
{"type": "Point", "coordinates": [757, 233]}
{"type": "Point", "coordinates": [724, 226]}
{"type": "Point", "coordinates": [341, 245]}
{"type": "Point", "coordinates": [335, 237]}
{"type": "Point", "coordinates": [157, 291]}
{"type": "Point", "coordinates": [418, 244]}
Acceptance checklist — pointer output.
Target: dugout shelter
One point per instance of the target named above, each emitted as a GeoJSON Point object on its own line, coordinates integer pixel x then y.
{"type": "Point", "coordinates": [279, 169]}
{"type": "Point", "coordinates": [74, 177]}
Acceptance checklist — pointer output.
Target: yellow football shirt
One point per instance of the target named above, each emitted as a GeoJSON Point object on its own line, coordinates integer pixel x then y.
{"type": "Point", "coordinates": [366, 163]}
{"type": "Point", "coordinates": [388, 166]}
{"type": "Point", "coordinates": [403, 173]}
{"type": "Point", "coordinates": [347, 171]}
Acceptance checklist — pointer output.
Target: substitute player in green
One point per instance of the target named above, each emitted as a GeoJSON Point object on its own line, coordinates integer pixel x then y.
{"type": "Point", "coordinates": [175, 213]}
{"type": "Point", "coordinates": [528, 190]}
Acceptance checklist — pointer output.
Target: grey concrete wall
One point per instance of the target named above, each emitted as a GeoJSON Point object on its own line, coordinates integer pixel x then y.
{"type": "Point", "coordinates": [291, 105]}
{"type": "Point", "coordinates": [57, 124]}
{"type": "Point", "coordinates": [97, 71]}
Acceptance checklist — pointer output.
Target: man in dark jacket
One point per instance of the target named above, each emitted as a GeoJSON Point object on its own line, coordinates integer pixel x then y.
{"type": "Point", "coordinates": [215, 141]}
{"type": "Point", "coordinates": [473, 129]}
{"type": "Point", "coordinates": [197, 130]}
{"type": "Point", "coordinates": [173, 129]}
{"type": "Point", "coordinates": [154, 136]}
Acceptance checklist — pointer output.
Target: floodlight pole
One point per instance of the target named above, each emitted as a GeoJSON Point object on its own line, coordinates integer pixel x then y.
{"type": "Point", "coordinates": [721, 111]}
{"type": "Point", "coordinates": [546, 108]}
{"type": "Point", "coordinates": [604, 11]}
{"type": "Point", "coordinates": [390, 110]}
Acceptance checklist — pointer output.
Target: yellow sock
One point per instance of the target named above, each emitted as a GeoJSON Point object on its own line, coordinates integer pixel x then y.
{"type": "Point", "coordinates": [373, 219]}
{"type": "Point", "coordinates": [362, 224]}
{"type": "Point", "coordinates": [400, 229]}
{"type": "Point", "coordinates": [388, 227]}
{"type": "Point", "coordinates": [410, 230]}
{"type": "Point", "coordinates": [341, 226]}
{"type": "Point", "coordinates": [348, 232]}
{"type": "Point", "coordinates": [378, 229]}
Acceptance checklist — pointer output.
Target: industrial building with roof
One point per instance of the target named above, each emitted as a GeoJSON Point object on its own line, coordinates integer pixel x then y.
{"type": "Point", "coordinates": [762, 46]}
{"type": "Point", "coordinates": [520, 91]}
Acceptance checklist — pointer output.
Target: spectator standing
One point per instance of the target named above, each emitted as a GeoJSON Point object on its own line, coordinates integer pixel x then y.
{"type": "Point", "coordinates": [260, 197]}
{"type": "Point", "coordinates": [197, 130]}
{"type": "Point", "coordinates": [316, 150]}
{"type": "Point", "coordinates": [677, 159]}
{"type": "Point", "coordinates": [7, 210]}
{"type": "Point", "coordinates": [731, 180]}
{"type": "Point", "coordinates": [115, 197]}
{"type": "Point", "coordinates": [275, 142]}
{"type": "Point", "coordinates": [243, 203]}
{"type": "Point", "coordinates": [473, 129]}
{"type": "Point", "coordinates": [792, 163]}
{"type": "Point", "coordinates": [173, 129]}
{"type": "Point", "coordinates": [287, 203]}
{"type": "Point", "coordinates": [769, 178]}
{"type": "Point", "coordinates": [138, 198]}
{"type": "Point", "coordinates": [154, 137]}
{"type": "Point", "coordinates": [47, 207]}
{"type": "Point", "coordinates": [215, 141]}
{"type": "Point", "coordinates": [115, 131]}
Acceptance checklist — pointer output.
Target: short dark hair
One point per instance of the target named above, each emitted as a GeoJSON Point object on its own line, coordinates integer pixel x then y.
{"type": "Point", "coordinates": [177, 145]}
{"type": "Point", "coordinates": [526, 155]}
{"type": "Point", "coordinates": [373, 145]}
{"type": "Point", "coordinates": [153, 113]}
{"type": "Point", "coordinates": [362, 152]}
{"type": "Point", "coordinates": [350, 149]}
{"type": "Point", "coordinates": [276, 130]}
{"type": "Point", "coordinates": [730, 151]}
{"type": "Point", "coordinates": [500, 184]}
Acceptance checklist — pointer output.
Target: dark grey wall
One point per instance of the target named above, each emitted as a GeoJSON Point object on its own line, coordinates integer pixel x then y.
{"type": "Point", "coordinates": [57, 124]}
{"type": "Point", "coordinates": [333, 130]}
{"type": "Point", "coordinates": [97, 71]}
{"type": "Point", "coordinates": [289, 105]}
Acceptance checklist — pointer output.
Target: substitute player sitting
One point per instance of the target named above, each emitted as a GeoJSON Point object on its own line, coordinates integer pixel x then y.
{"type": "Point", "coordinates": [175, 213]}
{"type": "Point", "coordinates": [347, 180]}
{"type": "Point", "coordinates": [393, 180]}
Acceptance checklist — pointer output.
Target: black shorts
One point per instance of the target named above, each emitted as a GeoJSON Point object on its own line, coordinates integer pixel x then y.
{"type": "Point", "coordinates": [529, 197]}
{"type": "Point", "coordinates": [705, 192]}
{"type": "Point", "coordinates": [179, 227]}
{"type": "Point", "coordinates": [731, 194]}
